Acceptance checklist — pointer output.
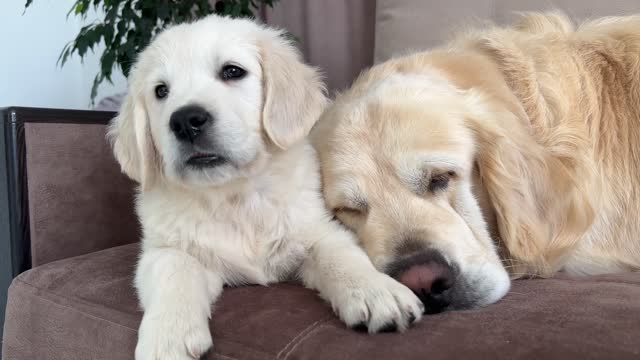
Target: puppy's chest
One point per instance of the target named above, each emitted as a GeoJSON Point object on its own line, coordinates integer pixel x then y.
{"type": "Point", "coordinates": [249, 242]}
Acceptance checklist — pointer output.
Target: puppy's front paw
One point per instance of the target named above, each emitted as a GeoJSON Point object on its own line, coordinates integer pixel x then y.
{"type": "Point", "coordinates": [172, 337]}
{"type": "Point", "coordinates": [377, 304]}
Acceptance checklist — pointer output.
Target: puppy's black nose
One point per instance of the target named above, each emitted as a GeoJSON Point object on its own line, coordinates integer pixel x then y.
{"type": "Point", "coordinates": [187, 122]}
{"type": "Point", "coordinates": [429, 276]}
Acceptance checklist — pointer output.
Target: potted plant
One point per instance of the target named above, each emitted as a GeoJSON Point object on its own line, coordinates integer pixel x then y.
{"type": "Point", "coordinates": [128, 26]}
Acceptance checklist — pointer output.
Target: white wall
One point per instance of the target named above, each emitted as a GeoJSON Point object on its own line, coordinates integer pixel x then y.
{"type": "Point", "coordinates": [29, 48]}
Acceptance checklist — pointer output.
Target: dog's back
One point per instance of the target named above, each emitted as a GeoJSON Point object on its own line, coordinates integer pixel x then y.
{"type": "Point", "coordinates": [580, 89]}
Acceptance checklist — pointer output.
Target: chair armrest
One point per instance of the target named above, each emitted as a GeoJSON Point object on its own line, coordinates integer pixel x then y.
{"type": "Point", "coordinates": [64, 192]}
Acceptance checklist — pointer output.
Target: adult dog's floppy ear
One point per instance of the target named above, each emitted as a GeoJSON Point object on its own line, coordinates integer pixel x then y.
{"type": "Point", "coordinates": [130, 138]}
{"type": "Point", "coordinates": [538, 191]}
{"type": "Point", "coordinates": [294, 95]}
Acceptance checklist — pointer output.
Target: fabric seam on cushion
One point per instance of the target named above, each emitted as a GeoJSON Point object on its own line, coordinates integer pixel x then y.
{"type": "Point", "coordinates": [228, 340]}
{"type": "Point", "coordinates": [53, 295]}
{"type": "Point", "coordinates": [33, 287]}
{"type": "Point", "coordinates": [597, 281]}
{"type": "Point", "coordinates": [225, 356]}
{"type": "Point", "coordinates": [71, 308]}
{"type": "Point", "coordinates": [76, 300]}
{"type": "Point", "coordinates": [301, 336]}
{"type": "Point", "coordinates": [316, 329]}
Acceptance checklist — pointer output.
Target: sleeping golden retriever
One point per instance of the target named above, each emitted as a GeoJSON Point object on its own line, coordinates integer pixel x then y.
{"type": "Point", "coordinates": [511, 148]}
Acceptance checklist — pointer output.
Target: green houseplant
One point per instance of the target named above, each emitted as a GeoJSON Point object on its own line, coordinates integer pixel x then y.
{"type": "Point", "coordinates": [128, 26]}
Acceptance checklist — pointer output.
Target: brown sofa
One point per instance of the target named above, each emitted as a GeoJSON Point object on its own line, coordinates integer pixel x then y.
{"type": "Point", "coordinates": [70, 238]}
{"type": "Point", "coordinates": [72, 223]}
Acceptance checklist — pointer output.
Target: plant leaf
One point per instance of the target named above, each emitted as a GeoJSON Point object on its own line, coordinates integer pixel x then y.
{"type": "Point", "coordinates": [79, 7]}
{"type": "Point", "coordinates": [122, 26]}
{"type": "Point", "coordinates": [163, 10]}
{"type": "Point", "coordinates": [106, 64]}
{"type": "Point", "coordinates": [94, 89]}
{"type": "Point", "coordinates": [111, 13]}
{"type": "Point", "coordinates": [64, 54]}
{"type": "Point", "coordinates": [108, 35]}
{"type": "Point", "coordinates": [129, 25]}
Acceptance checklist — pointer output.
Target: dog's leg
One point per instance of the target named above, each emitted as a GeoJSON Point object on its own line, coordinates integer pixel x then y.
{"type": "Point", "coordinates": [176, 293]}
{"type": "Point", "coordinates": [359, 294]}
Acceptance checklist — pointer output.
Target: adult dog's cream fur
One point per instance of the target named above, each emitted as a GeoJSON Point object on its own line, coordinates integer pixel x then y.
{"type": "Point", "coordinates": [256, 215]}
{"type": "Point", "coordinates": [533, 129]}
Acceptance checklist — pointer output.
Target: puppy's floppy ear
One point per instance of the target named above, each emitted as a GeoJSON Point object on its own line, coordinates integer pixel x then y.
{"type": "Point", "coordinates": [294, 95]}
{"type": "Point", "coordinates": [130, 137]}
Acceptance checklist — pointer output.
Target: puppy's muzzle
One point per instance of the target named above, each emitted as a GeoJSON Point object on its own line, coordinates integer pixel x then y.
{"type": "Point", "coordinates": [428, 275]}
{"type": "Point", "coordinates": [188, 121]}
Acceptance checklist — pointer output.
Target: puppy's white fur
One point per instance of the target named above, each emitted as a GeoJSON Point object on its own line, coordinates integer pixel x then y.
{"type": "Point", "coordinates": [260, 217]}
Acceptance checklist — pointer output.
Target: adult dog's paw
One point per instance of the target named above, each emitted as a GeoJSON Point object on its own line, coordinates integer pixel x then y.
{"type": "Point", "coordinates": [170, 336]}
{"type": "Point", "coordinates": [377, 304]}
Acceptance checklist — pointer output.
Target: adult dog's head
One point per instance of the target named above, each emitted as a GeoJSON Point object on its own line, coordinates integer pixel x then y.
{"type": "Point", "coordinates": [398, 154]}
{"type": "Point", "coordinates": [209, 102]}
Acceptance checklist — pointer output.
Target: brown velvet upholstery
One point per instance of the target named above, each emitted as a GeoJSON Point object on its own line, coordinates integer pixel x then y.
{"type": "Point", "coordinates": [79, 202]}
{"type": "Point", "coordinates": [85, 308]}
{"type": "Point", "coordinates": [335, 35]}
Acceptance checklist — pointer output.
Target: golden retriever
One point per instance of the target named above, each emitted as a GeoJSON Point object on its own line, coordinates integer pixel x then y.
{"type": "Point", "coordinates": [512, 148]}
{"type": "Point", "coordinates": [214, 130]}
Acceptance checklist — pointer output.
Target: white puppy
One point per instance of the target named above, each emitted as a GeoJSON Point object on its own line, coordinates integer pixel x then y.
{"type": "Point", "coordinates": [214, 129]}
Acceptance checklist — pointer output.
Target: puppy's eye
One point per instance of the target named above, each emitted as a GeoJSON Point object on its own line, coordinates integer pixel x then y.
{"type": "Point", "coordinates": [162, 91]}
{"type": "Point", "coordinates": [440, 181]}
{"type": "Point", "coordinates": [232, 72]}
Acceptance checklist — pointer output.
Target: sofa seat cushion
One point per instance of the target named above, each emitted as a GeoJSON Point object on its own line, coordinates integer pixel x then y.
{"type": "Point", "coordinates": [85, 308]}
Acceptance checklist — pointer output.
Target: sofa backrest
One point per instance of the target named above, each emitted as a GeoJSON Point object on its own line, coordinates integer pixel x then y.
{"type": "Point", "coordinates": [67, 196]}
{"type": "Point", "coordinates": [409, 25]}
{"type": "Point", "coordinates": [336, 35]}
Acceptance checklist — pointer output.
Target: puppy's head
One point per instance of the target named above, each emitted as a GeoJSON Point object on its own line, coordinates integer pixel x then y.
{"type": "Point", "coordinates": [209, 102]}
{"type": "Point", "coordinates": [397, 161]}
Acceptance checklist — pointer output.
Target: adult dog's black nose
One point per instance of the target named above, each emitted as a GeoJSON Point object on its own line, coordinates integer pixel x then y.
{"type": "Point", "coordinates": [187, 122]}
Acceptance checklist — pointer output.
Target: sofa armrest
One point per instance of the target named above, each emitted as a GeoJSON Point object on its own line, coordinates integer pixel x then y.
{"type": "Point", "coordinates": [65, 193]}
